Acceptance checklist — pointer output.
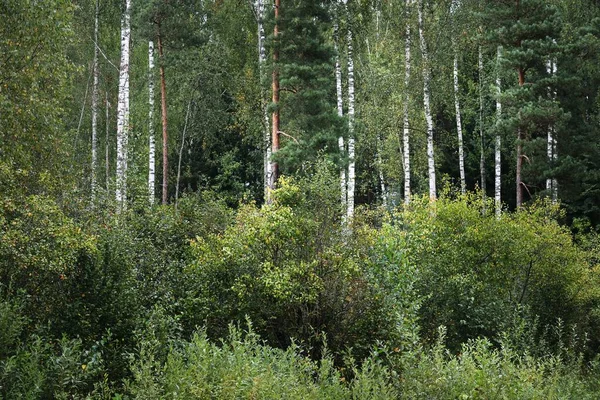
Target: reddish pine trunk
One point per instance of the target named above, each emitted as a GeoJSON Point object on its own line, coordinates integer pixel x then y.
{"type": "Point", "coordinates": [275, 132]}
{"type": "Point", "coordinates": [520, 150]}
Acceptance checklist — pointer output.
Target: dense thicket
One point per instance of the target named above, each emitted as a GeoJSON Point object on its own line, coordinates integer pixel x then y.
{"type": "Point", "coordinates": [237, 290]}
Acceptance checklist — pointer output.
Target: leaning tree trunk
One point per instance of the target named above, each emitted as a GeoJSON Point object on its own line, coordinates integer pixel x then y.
{"type": "Point", "coordinates": [427, 106]}
{"type": "Point", "coordinates": [165, 135]}
{"type": "Point", "coordinates": [352, 163]}
{"type": "Point", "coordinates": [185, 125]}
{"type": "Point", "coordinates": [340, 110]}
{"type": "Point", "coordinates": [151, 139]}
{"type": "Point", "coordinates": [123, 109]}
{"type": "Point", "coordinates": [95, 106]}
{"type": "Point", "coordinates": [262, 60]}
{"type": "Point", "coordinates": [275, 116]}
{"type": "Point", "coordinates": [406, 130]}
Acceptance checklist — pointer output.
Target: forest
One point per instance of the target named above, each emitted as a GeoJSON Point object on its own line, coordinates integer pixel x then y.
{"type": "Point", "coordinates": [299, 199]}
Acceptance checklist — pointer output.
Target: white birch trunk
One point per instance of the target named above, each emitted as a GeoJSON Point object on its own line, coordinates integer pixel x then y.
{"type": "Point", "coordinates": [123, 109]}
{"type": "Point", "coordinates": [340, 110]}
{"type": "Point", "coordinates": [351, 165]}
{"type": "Point", "coordinates": [106, 145]}
{"type": "Point", "coordinates": [406, 131]}
{"type": "Point", "coordinates": [482, 173]}
{"type": "Point", "coordinates": [498, 146]}
{"type": "Point", "coordinates": [262, 58]}
{"type": "Point", "coordinates": [427, 106]}
{"type": "Point", "coordinates": [95, 106]}
{"type": "Point", "coordinates": [551, 183]}
{"type": "Point", "coordinates": [461, 154]}
{"type": "Point", "coordinates": [151, 137]}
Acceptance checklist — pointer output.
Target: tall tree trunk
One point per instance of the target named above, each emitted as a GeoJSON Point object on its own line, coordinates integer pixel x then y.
{"type": "Point", "coordinates": [482, 173]}
{"type": "Point", "coordinates": [262, 60]}
{"type": "Point", "coordinates": [95, 106]}
{"type": "Point", "coordinates": [352, 163]}
{"type": "Point", "coordinates": [165, 135]}
{"type": "Point", "coordinates": [519, 169]}
{"type": "Point", "coordinates": [106, 145]}
{"type": "Point", "coordinates": [151, 139]}
{"type": "Point", "coordinates": [123, 109]}
{"type": "Point", "coordinates": [185, 125]}
{"type": "Point", "coordinates": [498, 146]}
{"type": "Point", "coordinates": [340, 110]}
{"type": "Point", "coordinates": [461, 154]}
{"type": "Point", "coordinates": [406, 130]}
{"type": "Point", "coordinates": [551, 183]}
{"type": "Point", "coordinates": [275, 115]}
{"type": "Point", "coordinates": [427, 106]}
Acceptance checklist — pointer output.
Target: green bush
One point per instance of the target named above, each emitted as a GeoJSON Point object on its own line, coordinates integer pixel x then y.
{"type": "Point", "coordinates": [475, 270]}
{"type": "Point", "coordinates": [298, 274]}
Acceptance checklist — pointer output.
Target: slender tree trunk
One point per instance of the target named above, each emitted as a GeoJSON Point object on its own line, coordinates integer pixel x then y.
{"type": "Point", "coordinates": [340, 109]}
{"type": "Point", "coordinates": [519, 169]}
{"type": "Point", "coordinates": [461, 154]}
{"type": "Point", "coordinates": [185, 125]}
{"type": "Point", "coordinates": [427, 106]}
{"type": "Point", "coordinates": [106, 145]}
{"type": "Point", "coordinates": [123, 109]}
{"type": "Point", "coordinates": [481, 137]}
{"type": "Point", "coordinates": [262, 59]}
{"type": "Point", "coordinates": [275, 115]}
{"type": "Point", "coordinates": [95, 106]}
{"type": "Point", "coordinates": [165, 135]}
{"type": "Point", "coordinates": [382, 187]}
{"type": "Point", "coordinates": [351, 99]}
{"type": "Point", "coordinates": [482, 174]}
{"type": "Point", "coordinates": [406, 131]}
{"type": "Point", "coordinates": [551, 183]}
{"type": "Point", "coordinates": [498, 147]}
{"type": "Point", "coordinates": [151, 138]}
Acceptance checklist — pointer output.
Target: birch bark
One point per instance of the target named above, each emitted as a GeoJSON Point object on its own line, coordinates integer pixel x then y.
{"type": "Point", "coordinates": [498, 145]}
{"type": "Point", "coordinates": [262, 59]}
{"type": "Point", "coordinates": [340, 110]}
{"type": "Point", "coordinates": [123, 109]}
{"type": "Point", "coordinates": [427, 106]}
{"type": "Point", "coordinates": [351, 100]}
{"type": "Point", "coordinates": [482, 174]}
{"type": "Point", "coordinates": [406, 128]}
{"type": "Point", "coordinates": [551, 183]}
{"type": "Point", "coordinates": [461, 153]}
{"type": "Point", "coordinates": [95, 106]}
{"type": "Point", "coordinates": [151, 138]}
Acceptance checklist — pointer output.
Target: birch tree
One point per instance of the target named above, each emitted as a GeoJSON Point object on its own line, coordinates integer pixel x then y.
{"type": "Point", "coordinates": [340, 110]}
{"type": "Point", "coordinates": [426, 70]}
{"type": "Point", "coordinates": [95, 105]}
{"type": "Point", "coordinates": [406, 127]}
{"type": "Point", "coordinates": [351, 111]}
{"type": "Point", "coordinates": [481, 84]}
{"type": "Point", "coordinates": [262, 60]}
{"type": "Point", "coordinates": [151, 139]}
{"type": "Point", "coordinates": [461, 156]}
{"type": "Point", "coordinates": [498, 143]}
{"type": "Point", "coordinates": [123, 108]}
{"type": "Point", "coordinates": [551, 182]}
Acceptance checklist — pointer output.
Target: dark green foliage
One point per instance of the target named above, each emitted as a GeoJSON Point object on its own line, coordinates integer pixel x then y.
{"type": "Point", "coordinates": [306, 67]}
